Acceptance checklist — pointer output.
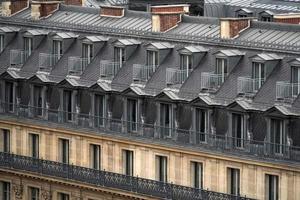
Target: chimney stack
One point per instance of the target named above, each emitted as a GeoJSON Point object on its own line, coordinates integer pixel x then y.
{"type": "Point", "coordinates": [74, 2]}
{"type": "Point", "coordinates": [232, 27]}
{"type": "Point", "coordinates": [288, 18]}
{"type": "Point", "coordinates": [167, 17]}
{"type": "Point", "coordinates": [41, 9]}
{"type": "Point", "coordinates": [112, 11]}
{"type": "Point", "coordinates": [10, 7]}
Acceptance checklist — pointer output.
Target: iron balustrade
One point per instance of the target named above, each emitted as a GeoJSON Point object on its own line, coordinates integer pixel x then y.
{"type": "Point", "coordinates": [18, 58]}
{"type": "Point", "coordinates": [286, 90]}
{"type": "Point", "coordinates": [143, 72]}
{"type": "Point", "coordinates": [76, 65]}
{"type": "Point", "coordinates": [248, 85]}
{"type": "Point", "coordinates": [101, 178]}
{"type": "Point", "coordinates": [176, 76]}
{"type": "Point", "coordinates": [211, 80]}
{"type": "Point", "coordinates": [47, 61]}
{"type": "Point", "coordinates": [169, 135]}
{"type": "Point", "coordinates": [109, 68]}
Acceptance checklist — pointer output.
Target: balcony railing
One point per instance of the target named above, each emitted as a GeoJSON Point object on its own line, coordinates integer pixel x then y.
{"type": "Point", "coordinates": [205, 141]}
{"type": "Point", "coordinates": [109, 68]}
{"type": "Point", "coordinates": [77, 65]}
{"type": "Point", "coordinates": [248, 85]}
{"type": "Point", "coordinates": [101, 178]}
{"type": "Point", "coordinates": [286, 90]}
{"type": "Point", "coordinates": [18, 58]}
{"type": "Point", "coordinates": [47, 61]}
{"type": "Point", "coordinates": [143, 72]}
{"type": "Point", "coordinates": [211, 81]}
{"type": "Point", "coordinates": [176, 76]}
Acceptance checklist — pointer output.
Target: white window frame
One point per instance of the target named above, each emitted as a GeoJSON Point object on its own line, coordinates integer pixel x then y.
{"type": "Point", "coordinates": [222, 67]}
{"type": "Point", "coordinates": [2, 40]}
{"type": "Point", "coordinates": [186, 63]}
{"type": "Point", "coordinates": [28, 46]}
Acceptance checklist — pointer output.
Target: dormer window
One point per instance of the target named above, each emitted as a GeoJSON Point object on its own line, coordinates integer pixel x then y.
{"type": "Point", "coordinates": [119, 55]}
{"type": "Point", "coordinates": [259, 75]}
{"type": "Point", "coordinates": [1, 42]}
{"type": "Point", "coordinates": [186, 62]}
{"type": "Point", "coordinates": [221, 68]}
{"type": "Point", "coordinates": [57, 48]}
{"type": "Point", "coordinates": [87, 52]}
{"type": "Point", "coordinates": [266, 16]}
{"type": "Point", "coordinates": [166, 120]}
{"type": "Point", "coordinates": [152, 58]}
{"type": "Point", "coordinates": [277, 135]}
{"type": "Point", "coordinates": [28, 46]}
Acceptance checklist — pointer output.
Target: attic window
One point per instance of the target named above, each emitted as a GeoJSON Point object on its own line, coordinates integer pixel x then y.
{"type": "Point", "coordinates": [28, 46]}
{"type": "Point", "coordinates": [152, 58]}
{"type": "Point", "coordinates": [57, 48]}
{"type": "Point", "coordinates": [221, 68]}
{"type": "Point", "coordinates": [186, 62]}
{"type": "Point", "coordinates": [1, 42]}
{"type": "Point", "coordinates": [119, 55]}
{"type": "Point", "coordinates": [244, 12]}
{"type": "Point", "coordinates": [87, 52]}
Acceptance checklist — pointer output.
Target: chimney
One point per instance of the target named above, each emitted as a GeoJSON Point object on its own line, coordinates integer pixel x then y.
{"type": "Point", "coordinates": [112, 11]}
{"type": "Point", "coordinates": [167, 17]}
{"type": "Point", "coordinates": [288, 18]}
{"type": "Point", "coordinates": [10, 7]}
{"type": "Point", "coordinates": [232, 27]}
{"type": "Point", "coordinates": [41, 9]}
{"type": "Point", "coordinates": [74, 2]}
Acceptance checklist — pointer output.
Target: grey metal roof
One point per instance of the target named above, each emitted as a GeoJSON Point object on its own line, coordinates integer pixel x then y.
{"type": "Point", "coordinates": [245, 10]}
{"type": "Point", "coordinates": [231, 52]}
{"type": "Point", "coordinates": [162, 45]}
{"type": "Point", "coordinates": [66, 35]}
{"type": "Point", "coordinates": [96, 38]}
{"type": "Point", "coordinates": [36, 32]}
{"type": "Point", "coordinates": [128, 42]}
{"type": "Point", "coordinates": [195, 49]}
{"type": "Point", "coordinates": [8, 29]}
{"type": "Point", "coordinates": [268, 56]}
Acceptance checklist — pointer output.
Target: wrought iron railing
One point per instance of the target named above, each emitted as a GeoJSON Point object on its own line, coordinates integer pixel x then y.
{"type": "Point", "coordinates": [176, 76]}
{"type": "Point", "coordinates": [204, 141]}
{"type": "Point", "coordinates": [286, 90]}
{"type": "Point", "coordinates": [248, 85]}
{"type": "Point", "coordinates": [109, 68]}
{"type": "Point", "coordinates": [143, 72]}
{"type": "Point", "coordinates": [47, 61]}
{"type": "Point", "coordinates": [18, 57]}
{"type": "Point", "coordinates": [211, 80]}
{"type": "Point", "coordinates": [107, 179]}
{"type": "Point", "coordinates": [76, 65]}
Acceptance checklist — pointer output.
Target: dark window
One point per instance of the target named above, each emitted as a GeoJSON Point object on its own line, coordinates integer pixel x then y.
{"type": "Point", "coordinates": [119, 55]}
{"type": "Point", "coordinates": [63, 196]}
{"type": "Point", "coordinates": [9, 96]}
{"type": "Point", "coordinates": [128, 162]}
{"type": "Point", "coordinates": [57, 49]}
{"type": "Point", "coordinates": [266, 18]}
{"type": "Point", "coordinates": [95, 156]}
{"type": "Point", "coordinates": [28, 47]}
{"type": "Point", "coordinates": [201, 121]}
{"type": "Point", "coordinates": [152, 58]}
{"type": "Point", "coordinates": [277, 137]}
{"type": "Point", "coordinates": [38, 100]}
{"type": "Point", "coordinates": [99, 110]}
{"type": "Point", "coordinates": [196, 175]}
{"type": "Point", "coordinates": [271, 187]}
{"type": "Point", "coordinates": [295, 81]}
{"type": "Point", "coordinates": [1, 42]}
{"type": "Point", "coordinates": [238, 130]}
{"type": "Point", "coordinates": [161, 168]}
{"type": "Point", "coordinates": [68, 104]}
{"type": "Point", "coordinates": [34, 193]}
{"type": "Point", "coordinates": [4, 190]}
{"type": "Point", "coordinates": [233, 181]}
{"type": "Point", "coordinates": [5, 141]}
{"type": "Point", "coordinates": [166, 119]}
{"type": "Point", "coordinates": [34, 145]}
{"type": "Point", "coordinates": [87, 53]}
{"type": "Point", "coordinates": [64, 150]}
{"type": "Point", "coordinates": [132, 114]}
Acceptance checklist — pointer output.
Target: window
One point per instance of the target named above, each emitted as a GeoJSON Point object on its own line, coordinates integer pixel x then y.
{"type": "Point", "coordinates": [238, 129]}
{"type": "Point", "coordinates": [233, 181]}
{"type": "Point", "coordinates": [4, 190]}
{"type": "Point", "coordinates": [119, 55]}
{"type": "Point", "coordinates": [87, 53]}
{"type": "Point", "coordinates": [201, 119]}
{"type": "Point", "coordinates": [68, 104]}
{"type": "Point", "coordinates": [5, 140]}
{"type": "Point", "coordinates": [34, 193]}
{"type": "Point", "coordinates": [152, 58]}
{"type": "Point", "coordinates": [266, 18]}
{"type": "Point", "coordinates": [28, 46]}
{"type": "Point", "coordinates": [221, 69]}
{"type": "Point", "coordinates": [186, 63]}
{"type": "Point", "coordinates": [258, 74]}
{"type": "Point", "coordinates": [166, 119]}
{"type": "Point", "coordinates": [276, 137]}
{"type": "Point", "coordinates": [99, 110]}
{"type": "Point", "coordinates": [127, 162]}
{"type": "Point", "coordinates": [196, 175]}
{"type": "Point", "coordinates": [34, 145]}
{"type": "Point", "coordinates": [242, 15]}
{"type": "Point", "coordinates": [1, 42]}
{"type": "Point", "coordinates": [95, 156]}
{"type": "Point", "coordinates": [271, 187]}
{"type": "Point", "coordinates": [38, 100]}
{"type": "Point", "coordinates": [295, 81]}
{"type": "Point", "coordinates": [64, 151]}
{"type": "Point", "coordinates": [9, 96]}
{"type": "Point", "coordinates": [57, 49]}
{"type": "Point", "coordinates": [132, 114]}
{"type": "Point", "coordinates": [161, 168]}
{"type": "Point", "coordinates": [62, 196]}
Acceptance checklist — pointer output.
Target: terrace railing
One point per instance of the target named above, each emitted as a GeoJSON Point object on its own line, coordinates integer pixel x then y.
{"type": "Point", "coordinates": [109, 68]}
{"type": "Point", "coordinates": [286, 90]}
{"type": "Point", "coordinates": [248, 85]}
{"type": "Point", "coordinates": [205, 141]}
{"type": "Point", "coordinates": [18, 58]}
{"type": "Point", "coordinates": [176, 76]}
{"type": "Point", "coordinates": [99, 178]}
{"type": "Point", "coordinates": [211, 80]}
{"type": "Point", "coordinates": [47, 61]}
{"type": "Point", "coordinates": [143, 72]}
{"type": "Point", "coordinates": [76, 65]}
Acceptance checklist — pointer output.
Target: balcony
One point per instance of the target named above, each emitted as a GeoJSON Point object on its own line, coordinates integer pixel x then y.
{"type": "Point", "coordinates": [286, 90]}
{"type": "Point", "coordinates": [76, 65]}
{"type": "Point", "coordinates": [248, 85]}
{"type": "Point", "coordinates": [211, 81]}
{"type": "Point", "coordinates": [109, 68]}
{"type": "Point", "coordinates": [176, 76]}
{"type": "Point", "coordinates": [99, 178]}
{"type": "Point", "coordinates": [252, 149]}
{"type": "Point", "coordinates": [47, 61]}
{"type": "Point", "coordinates": [18, 58]}
{"type": "Point", "coordinates": [143, 72]}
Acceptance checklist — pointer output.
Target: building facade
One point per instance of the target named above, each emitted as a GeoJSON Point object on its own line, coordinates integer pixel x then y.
{"type": "Point", "coordinates": [116, 104]}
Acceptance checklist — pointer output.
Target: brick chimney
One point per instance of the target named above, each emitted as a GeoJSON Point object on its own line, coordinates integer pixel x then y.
{"type": "Point", "coordinates": [74, 2]}
{"type": "Point", "coordinates": [112, 11]}
{"type": "Point", "coordinates": [10, 7]}
{"type": "Point", "coordinates": [41, 9]}
{"type": "Point", "coordinates": [232, 27]}
{"type": "Point", "coordinates": [288, 18]}
{"type": "Point", "coordinates": [167, 17]}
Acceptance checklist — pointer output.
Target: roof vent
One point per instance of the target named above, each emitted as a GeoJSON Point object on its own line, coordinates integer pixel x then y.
{"type": "Point", "coordinates": [10, 7]}
{"type": "Point", "coordinates": [232, 27]}
{"type": "Point", "coordinates": [112, 11]}
{"type": "Point", "coordinates": [41, 9]}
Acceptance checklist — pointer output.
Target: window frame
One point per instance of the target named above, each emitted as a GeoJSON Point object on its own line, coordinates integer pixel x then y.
{"type": "Point", "coordinates": [222, 68]}
{"type": "Point", "coordinates": [34, 144]}
{"type": "Point", "coordinates": [233, 181]}
{"type": "Point", "coordinates": [268, 183]}
{"type": "Point", "coordinates": [64, 150]}
{"type": "Point", "coordinates": [161, 169]}
{"type": "Point", "coordinates": [128, 162]}
{"type": "Point", "coordinates": [95, 156]}
{"type": "Point", "coordinates": [196, 182]}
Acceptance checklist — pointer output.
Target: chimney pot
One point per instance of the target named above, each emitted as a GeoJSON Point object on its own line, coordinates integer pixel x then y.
{"type": "Point", "coordinates": [41, 9]}
{"type": "Point", "coordinates": [11, 7]}
{"type": "Point", "coordinates": [232, 27]}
